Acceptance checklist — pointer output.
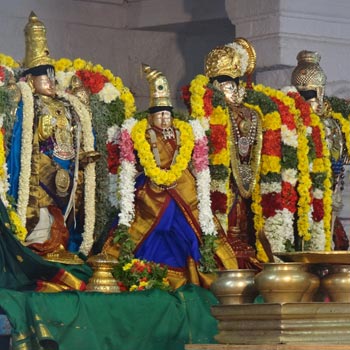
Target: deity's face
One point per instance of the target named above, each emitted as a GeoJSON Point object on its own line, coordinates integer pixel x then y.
{"type": "Point", "coordinates": [233, 94]}
{"type": "Point", "coordinates": [43, 85]}
{"type": "Point", "coordinates": [316, 105]}
{"type": "Point", "coordinates": [162, 119]}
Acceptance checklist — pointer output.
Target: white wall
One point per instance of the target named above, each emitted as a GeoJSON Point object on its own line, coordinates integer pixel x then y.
{"type": "Point", "coordinates": [172, 36]}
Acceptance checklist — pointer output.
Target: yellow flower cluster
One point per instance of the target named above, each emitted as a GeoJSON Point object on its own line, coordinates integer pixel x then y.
{"type": "Point", "coordinates": [345, 128]}
{"type": "Point", "coordinates": [8, 61]}
{"type": "Point", "coordinates": [152, 170]}
{"type": "Point", "coordinates": [197, 90]}
{"type": "Point", "coordinates": [20, 230]}
{"type": "Point", "coordinates": [66, 65]}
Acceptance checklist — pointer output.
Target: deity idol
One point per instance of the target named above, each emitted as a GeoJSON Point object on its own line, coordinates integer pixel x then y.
{"type": "Point", "coordinates": [309, 79]}
{"type": "Point", "coordinates": [170, 221]}
{"type": "Point", "coordinates": [51, 161]}
{"type": "Point", "coordinates": [236, 140]}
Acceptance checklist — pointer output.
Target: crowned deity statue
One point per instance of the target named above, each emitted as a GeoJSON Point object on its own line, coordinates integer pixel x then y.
{"type": "Point", "coordinates": [309, 79]}
{"type": "Point", "coordinates": [169, 220]}
{"type": "Point", "coordinates": [224, 67]}
{"type": "Point", "coordinates": [52, 156]}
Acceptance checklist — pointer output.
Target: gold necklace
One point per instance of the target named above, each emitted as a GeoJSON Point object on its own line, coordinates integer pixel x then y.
{"type": "Point", "coordinates": [245, 172]}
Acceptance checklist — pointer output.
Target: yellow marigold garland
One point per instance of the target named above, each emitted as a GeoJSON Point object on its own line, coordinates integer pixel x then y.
{"type": "Point", "coordinates": [197, 89]}
{"type": "Point", "coordinates": [152, 170]}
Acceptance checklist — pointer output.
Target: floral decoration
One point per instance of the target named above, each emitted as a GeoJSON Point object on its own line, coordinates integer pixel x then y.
{"type": "Point", "coordinates": [204, 104]}
{"type": "Point", "coordinates": [139, 275]}
{"type": "Point", "coordinates": [152, 170]}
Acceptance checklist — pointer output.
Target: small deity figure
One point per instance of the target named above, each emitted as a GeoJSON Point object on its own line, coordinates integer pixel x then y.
{"type": "Point", "coordinates": [309, 79]}
{"type": "Point", "coordinates": [51, 161]}
{"type": "Point", "coordinates": [166, 226]}
{"type": "Point", "coordinates": [225, 66]}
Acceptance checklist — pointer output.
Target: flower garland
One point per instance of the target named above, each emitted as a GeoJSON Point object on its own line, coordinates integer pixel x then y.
{"type": "Point", "coordinates": [267, 195]}
{"type": "Point", "coordinates": [215, 121]}
{"type": "Point", "coordinates": [127, 173]}
{"type": "Point", "coordinates": [26, 150]}
{"type": "Point", "coordinates": [157, 175]}
{"type": "Point", "coordinates": [345, 128]}
{"type": "Point", "coordinates": [320, 170]}
{"type": "Point", "coordinates": [201, 167]}
{"type": "Point", "coordinates": [89, 172]}
{"type": "Point", "coordinates": [296, 182]}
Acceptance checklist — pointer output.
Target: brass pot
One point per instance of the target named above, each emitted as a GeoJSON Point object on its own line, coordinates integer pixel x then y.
{"type": "Point", "coordinates": [102, 279]}
{"type": "Point", "coordinates": [284, 282]}
{"type": "Point", "coordinates": [235, 286]}
{"type": "Point", "coordinates": [337, 283]}
{"type": "Point", "coordinates": [310, 292]}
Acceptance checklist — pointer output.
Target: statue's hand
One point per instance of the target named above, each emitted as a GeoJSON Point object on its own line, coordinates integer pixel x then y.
{"type": "Point", "coordinates": [45, 127]}
{"type": "Point", "coordinates": [86, 158]}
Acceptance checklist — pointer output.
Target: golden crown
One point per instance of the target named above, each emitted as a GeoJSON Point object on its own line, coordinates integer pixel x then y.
{"type": "Point", "coordinates": [37, 52]}
{"type": "Point", "coordinates": [308, 74]}
{"type": "Point", "coordinates": [159, 87]}
{"type": "Point", "coordinates": [233, 60]}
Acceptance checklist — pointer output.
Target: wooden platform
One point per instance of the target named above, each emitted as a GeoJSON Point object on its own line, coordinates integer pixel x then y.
{"type": "Point", "coordinates": [268, 347]}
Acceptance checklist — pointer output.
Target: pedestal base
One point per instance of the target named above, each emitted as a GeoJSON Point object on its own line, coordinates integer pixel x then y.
{"type": "Point", "coordinates": [289, 323]}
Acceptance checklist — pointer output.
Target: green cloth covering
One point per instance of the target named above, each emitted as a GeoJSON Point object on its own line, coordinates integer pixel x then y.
{"type": "Point", "coordinates": [147, 320]}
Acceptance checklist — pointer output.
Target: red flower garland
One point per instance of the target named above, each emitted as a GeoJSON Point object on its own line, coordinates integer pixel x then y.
{"type": "Point", "coordinates": [207, 100]}
{"type": "Point", "coordinates": [305, 109]}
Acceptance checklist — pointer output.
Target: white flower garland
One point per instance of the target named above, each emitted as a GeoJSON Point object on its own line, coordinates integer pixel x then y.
{"type": "Point", "coordinates": [206, 220]}
{"type": "Point", "coordinates": [26, 150]}
{"type": "Point", "coordinates": [89, 172]}
{"type": "Point", "coordinates": [127, 176]}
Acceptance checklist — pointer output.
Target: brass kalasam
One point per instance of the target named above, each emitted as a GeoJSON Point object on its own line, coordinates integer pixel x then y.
{"type": "Point", "coordinates": [102, 279]}
{"type": "Point", "coordinates": [235, 286]}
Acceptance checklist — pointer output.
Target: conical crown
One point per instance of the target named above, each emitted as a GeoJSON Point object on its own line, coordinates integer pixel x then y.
{"type": "Point", "coordinates": [158, 86]}
{"type": "Point", "coordinates": [37, 52]}
{"type": "Point", "coordinates": [308, 74]}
